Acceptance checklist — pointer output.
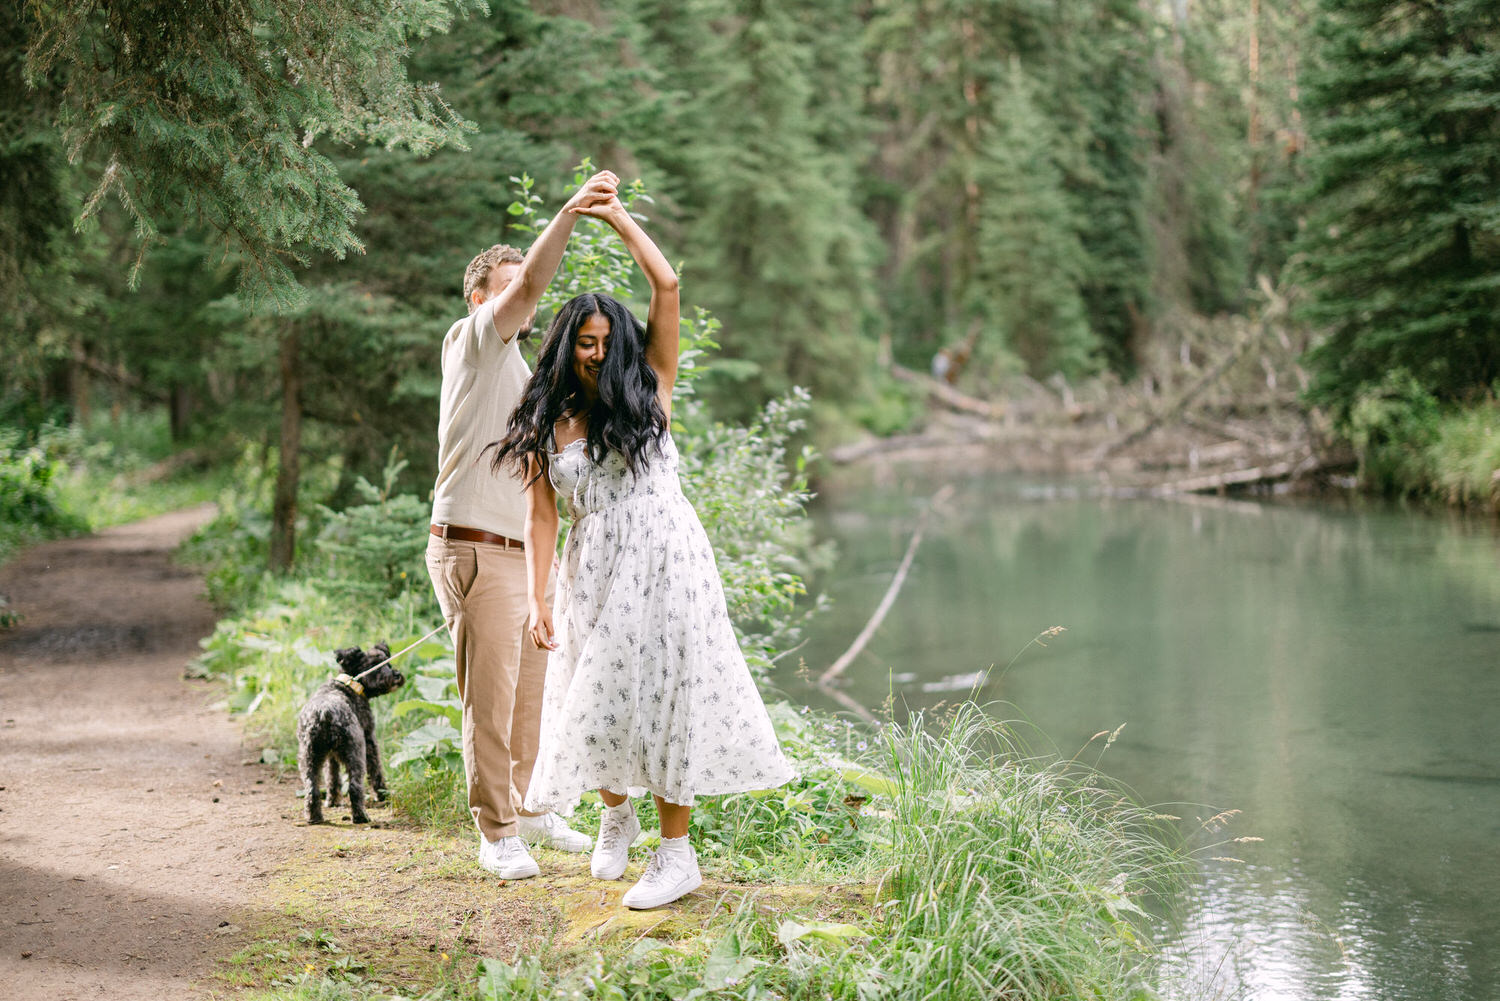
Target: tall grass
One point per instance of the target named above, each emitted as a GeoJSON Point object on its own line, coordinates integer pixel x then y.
{"type": "Point", "coordinates": [998, 876]}
{"type": "Point", "coordinates": [1012, 876]}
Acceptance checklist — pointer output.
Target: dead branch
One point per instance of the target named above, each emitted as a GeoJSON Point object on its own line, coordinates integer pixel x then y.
{"type": "Point", "coordinates": [847, 657]}
{"type": "Point", "coordinates": [948, 396]}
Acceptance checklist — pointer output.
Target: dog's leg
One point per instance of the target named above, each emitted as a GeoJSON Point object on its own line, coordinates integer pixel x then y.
{"type": "Point", "coordinates": [333, 779]}
{"type": "Point", "coordinates": [312, 803]}
{"type": "Point", "coordinates": [372, 764]}
{"type": "Point", "coordinates": [354, 764]}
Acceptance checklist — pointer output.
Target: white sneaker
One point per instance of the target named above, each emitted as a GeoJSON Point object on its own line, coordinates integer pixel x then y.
{"type": "Point", "coordinates": [507, 858]}
{"type": "Point", "coordinates": [667, 877]}
{"type": "Point", "coordinates": [617, 831]}
{"type": "Point", "coordinates": [551, 831]}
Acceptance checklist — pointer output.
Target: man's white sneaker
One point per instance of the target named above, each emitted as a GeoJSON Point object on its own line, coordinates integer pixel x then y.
{"type": "Point", "coordinates": [507, 858]}
{"type": "Point", "coordinates": [668, 876]}
{"type": "Point", "coordinates": [618, 829]}
{"type": "Point", "coordinates": [551, 831]}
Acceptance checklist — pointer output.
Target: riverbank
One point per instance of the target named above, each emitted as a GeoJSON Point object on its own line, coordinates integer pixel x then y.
{"type": "Point", "coordinates": [1396, 442]}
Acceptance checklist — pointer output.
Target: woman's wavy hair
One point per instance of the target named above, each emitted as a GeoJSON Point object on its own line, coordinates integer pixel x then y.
{"type": "Point", "coordinates": [626, 417]}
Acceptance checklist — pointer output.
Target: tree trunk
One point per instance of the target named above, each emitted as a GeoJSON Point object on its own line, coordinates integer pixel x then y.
{"type": "Point", "coordinates": [181, 402]}
{"type": "Point", "coordinates": [78, 386]}
{"type": "Point", "coordinates": [284, 508]}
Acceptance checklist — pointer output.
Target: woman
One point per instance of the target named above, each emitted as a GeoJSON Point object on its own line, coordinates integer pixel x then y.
{"type": "Point", "coordinates": [646, 686]}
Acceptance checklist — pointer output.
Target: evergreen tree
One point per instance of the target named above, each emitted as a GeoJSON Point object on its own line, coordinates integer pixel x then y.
{"type": "Point", "coordinates": [779, 250]}
{"type": "Point", "coordinates": [214, 109]}
{"type": "Point", "coordinates": [1402, 244]}
{"type": "Point", "coordinates": [1030, 265]}
{"type": "Point", "coordinates": [1096, 79]}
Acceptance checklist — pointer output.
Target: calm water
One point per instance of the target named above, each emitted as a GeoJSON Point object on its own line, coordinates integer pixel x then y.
{"type": "Point", "coordinates": [1333, 673]}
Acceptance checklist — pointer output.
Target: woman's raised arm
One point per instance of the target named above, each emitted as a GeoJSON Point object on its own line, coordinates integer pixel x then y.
{"type": "Point", "coordinates": [663, 317]}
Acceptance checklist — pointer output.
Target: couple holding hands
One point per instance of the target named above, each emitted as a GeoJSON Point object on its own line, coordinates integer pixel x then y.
{"type": "Point", "coordinates": [620, 670]}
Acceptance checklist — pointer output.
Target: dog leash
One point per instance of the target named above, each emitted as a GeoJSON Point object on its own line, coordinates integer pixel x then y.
{"type": "Point", "coordinates": [398, 653]}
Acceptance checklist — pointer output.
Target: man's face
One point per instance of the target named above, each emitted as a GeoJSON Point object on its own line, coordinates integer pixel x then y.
{"type": "Point", "coordinates": [502, 275]}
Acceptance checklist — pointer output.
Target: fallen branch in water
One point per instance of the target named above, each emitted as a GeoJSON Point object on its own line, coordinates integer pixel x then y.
{"type": "Point", "coordinates": [839, 666]}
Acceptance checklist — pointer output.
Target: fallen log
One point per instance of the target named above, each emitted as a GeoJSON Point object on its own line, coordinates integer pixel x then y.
{"type": "Point", "coordinates": [948, 396]}
{"type": "Point", "coordinates": [1214, 482]}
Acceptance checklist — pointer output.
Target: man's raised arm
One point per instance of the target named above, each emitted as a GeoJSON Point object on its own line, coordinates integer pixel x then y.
{"type": "Point", "coordinates": [517, 301]}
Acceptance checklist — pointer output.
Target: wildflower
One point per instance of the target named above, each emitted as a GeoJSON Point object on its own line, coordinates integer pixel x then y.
{"type": "Point", "coordinates": [860, 746]}
{"type": "Point", "coordinates": [403, 575]}
{"type": "Point", "coordinates": [445, 957]}
{"type": "Point", "coordinates": [308, 968]}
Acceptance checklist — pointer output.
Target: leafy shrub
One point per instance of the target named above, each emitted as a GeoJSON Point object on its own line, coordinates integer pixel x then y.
{"type": "Point", "coordinates": [29, 505]}
{"type": "Point", "coordinates": [752, 508]}
{"type": "Point", "coordinates": [375, 550]}
{"type": "Point", "coordinates": [1409, 443]}
{"type": "Point", "coordinates": [1465, 456]}
{"type": "Point", "coordinates": [1392, 426]}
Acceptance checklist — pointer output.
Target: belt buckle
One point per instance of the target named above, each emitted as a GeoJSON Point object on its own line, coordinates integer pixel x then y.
{"type": "Point", "coordinates": [444, 534]}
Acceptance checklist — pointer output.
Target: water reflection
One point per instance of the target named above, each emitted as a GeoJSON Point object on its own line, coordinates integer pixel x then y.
{"type": "Point", "coordinates": [1333, 673]}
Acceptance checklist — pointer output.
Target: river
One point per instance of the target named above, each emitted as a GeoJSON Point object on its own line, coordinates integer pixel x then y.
{"type": "Point", "coordinates": [1331, 671]}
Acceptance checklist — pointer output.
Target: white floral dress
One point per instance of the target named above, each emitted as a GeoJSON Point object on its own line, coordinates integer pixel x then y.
{"type": "Point", "coordinates": [647, 689]}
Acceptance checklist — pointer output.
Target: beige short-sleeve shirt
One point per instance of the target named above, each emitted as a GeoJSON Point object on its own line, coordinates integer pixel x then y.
{"type": "Point", "coordinates": [483, 377]}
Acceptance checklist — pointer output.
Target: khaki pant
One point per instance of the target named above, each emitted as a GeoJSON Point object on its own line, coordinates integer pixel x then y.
{"type": "Point", "coordinates": [482, 590]}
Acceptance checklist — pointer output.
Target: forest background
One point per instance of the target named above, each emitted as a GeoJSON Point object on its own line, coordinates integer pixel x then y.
{"type": "Point", "coordinates": [256, 223]}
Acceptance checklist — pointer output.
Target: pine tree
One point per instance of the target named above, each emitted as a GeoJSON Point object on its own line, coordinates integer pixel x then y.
{"type": "Point", "coordinates": [1030, 264]}
{"type": "Point", "coordinates": [215, 109]}
{"type": "Point", "coordinates": [780, 250]}
{"type": "Point", "coordinates": [1402, 245]}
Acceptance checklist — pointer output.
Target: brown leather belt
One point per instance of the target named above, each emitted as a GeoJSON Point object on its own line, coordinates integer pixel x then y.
{"type": "Point", "coordinates": [474, 535]}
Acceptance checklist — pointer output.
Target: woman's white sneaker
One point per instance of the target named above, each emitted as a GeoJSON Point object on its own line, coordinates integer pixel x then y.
{"type": "Point", "coordinates": [669, 875]}
{"type": "Point", "coordinates": [507, 858]}
{"type": "Point", "coordinates": [618, 829]}
{"type": "Point", "coordinates": [551, 831]}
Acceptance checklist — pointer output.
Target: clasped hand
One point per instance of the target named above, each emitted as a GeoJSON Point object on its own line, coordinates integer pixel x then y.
{"type": "Point", "coordinates": [598, 198]}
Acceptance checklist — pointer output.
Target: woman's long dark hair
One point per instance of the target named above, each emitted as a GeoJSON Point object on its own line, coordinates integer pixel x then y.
{"type": "Point", "coordinates": [626, 417]}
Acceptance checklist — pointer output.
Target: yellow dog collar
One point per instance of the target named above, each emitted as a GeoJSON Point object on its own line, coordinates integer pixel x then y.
{"type": "Point", "coordinates": [350, 684]}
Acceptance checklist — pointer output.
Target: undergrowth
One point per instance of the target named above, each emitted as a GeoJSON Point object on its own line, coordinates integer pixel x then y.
{"type": "Point", "coordinates": [1409, 443]}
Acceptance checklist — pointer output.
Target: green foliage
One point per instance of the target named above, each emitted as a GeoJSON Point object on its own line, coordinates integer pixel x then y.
{"type": "Point", "coordinates": [1402, 244]}
{"type": "Point", "coordinates": [780, 252]}
{"type": "Point", "coordinates": [214, 112]}
{"type": "Point", "coordinates": [375, 550]}
{"type": "Point", "coordinates": [30, 508]}
{"type": "Point", "coordinates": [1391, 426]}
{"type": "Point", "coordinates": [1410, 443]}
{"type": "Point", "coordinates": [753, 510]}
{"type": "Point", "coordinates": [829, 176]}
{"type": "Point", "coordinates": [1466, 456]}
{"type": "Point", "coordinates": [1030, 265]}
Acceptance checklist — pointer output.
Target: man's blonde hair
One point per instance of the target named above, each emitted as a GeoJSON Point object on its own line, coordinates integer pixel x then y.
{"type": "Point", "coordinates": [477, 274]}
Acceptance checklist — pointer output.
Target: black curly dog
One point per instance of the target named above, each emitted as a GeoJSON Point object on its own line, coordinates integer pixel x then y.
{"type": "Point", "coordinates": [337, 725]}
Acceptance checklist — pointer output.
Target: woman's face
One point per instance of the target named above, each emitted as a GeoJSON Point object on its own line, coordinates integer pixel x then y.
{"type": "Point", "coordinates": [588, 352]}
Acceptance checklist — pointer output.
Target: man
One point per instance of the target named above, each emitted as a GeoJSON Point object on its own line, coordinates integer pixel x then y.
{"type": "Point", "coordinates": [475, 556]}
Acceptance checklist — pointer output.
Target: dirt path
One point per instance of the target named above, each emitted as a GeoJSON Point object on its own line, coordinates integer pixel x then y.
{"type": "Point", "coordinates": [134, 823]}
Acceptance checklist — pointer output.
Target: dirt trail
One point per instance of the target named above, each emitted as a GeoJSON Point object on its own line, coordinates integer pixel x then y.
{"type": "Point", "coordinates": [134, 823]}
